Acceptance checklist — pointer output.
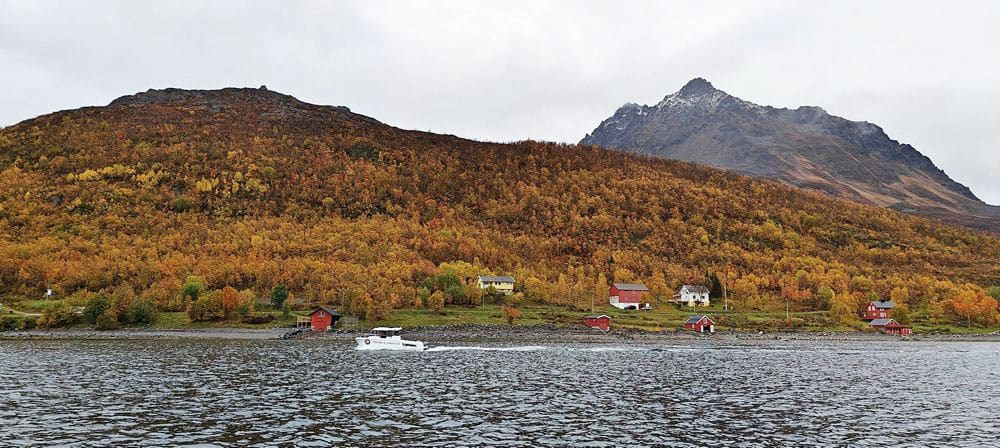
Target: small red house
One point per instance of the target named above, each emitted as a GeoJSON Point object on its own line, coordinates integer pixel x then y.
{"type": "Point", "coordinates": [877, 309]}
{"type": "Point", "coordinates": [601, 322]}
{"type": "Point", "coordinates": [700, 323]}
{"type": "Point", "coordinates": [890, 326]}
{"type": "Point", "coordinates": [323, 318]}
{"type": "Point", "coordinates": [627, 296]}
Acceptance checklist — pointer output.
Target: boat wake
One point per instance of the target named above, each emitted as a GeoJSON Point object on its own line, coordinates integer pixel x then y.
{"type": "Point", "coordinates": [526, 348]}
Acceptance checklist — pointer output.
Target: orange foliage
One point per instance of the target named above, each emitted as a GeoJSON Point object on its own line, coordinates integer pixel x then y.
{"type": "Point", "coordinates": [248, 190]}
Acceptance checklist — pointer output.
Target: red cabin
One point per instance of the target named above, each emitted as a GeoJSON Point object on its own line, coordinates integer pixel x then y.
{"type": "Point", "coordinates": [878, 309]}
{"type": "Point", "coordinates": [890, 326]}
{"type": "Point", "coordinates": [627, 296]}
{"type": "Point", "coordinates": [601, 322]}
{"type": "Point", "coordinates": [700, 323]}
{"type": "Point", "coordinates": [323, 318]}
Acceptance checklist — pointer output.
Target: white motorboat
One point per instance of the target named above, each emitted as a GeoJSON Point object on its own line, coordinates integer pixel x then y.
{"type": "Point", "coordinates": [387, 338]}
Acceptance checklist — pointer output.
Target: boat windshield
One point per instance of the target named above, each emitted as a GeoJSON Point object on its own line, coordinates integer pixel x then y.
{"type": "Point", "coordinates": [386, 333]}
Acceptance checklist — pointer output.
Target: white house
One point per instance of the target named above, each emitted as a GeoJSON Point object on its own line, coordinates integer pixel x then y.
{"type": "Point", "coordinates": [692, 295]}
{"type": "Point", "coordinates": [503, 284]}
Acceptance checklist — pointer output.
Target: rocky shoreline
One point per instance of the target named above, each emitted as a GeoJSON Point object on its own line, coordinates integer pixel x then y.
{"type": "Point", "coordinates": [488, 334]}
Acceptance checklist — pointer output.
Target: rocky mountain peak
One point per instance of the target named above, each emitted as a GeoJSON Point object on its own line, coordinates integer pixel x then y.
{"type": "Point", "coordinates": [804, 147]}
{"type": "Point", "coordinates": [215, 98]}
{"type": "Point", "coordinates": [696, 87]}
{"type": "Point", "coordinates": [234, 99]}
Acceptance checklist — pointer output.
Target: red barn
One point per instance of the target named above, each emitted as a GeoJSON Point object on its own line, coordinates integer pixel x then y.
{"type": "Point", "coordinates": [627, 296]}
{"type": "Point", "coordinates": [700, 323]}
{"type": "Point", "coordinates": [890, 326]}
{"type": "Point", "coordinates": [601, 322]}
{"type": "Point", "coordinates": [878, 309]}
{"type": "Point", "coordinates": [323, 318]}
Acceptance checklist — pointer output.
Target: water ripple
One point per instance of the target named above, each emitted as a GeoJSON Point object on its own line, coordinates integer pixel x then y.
{"type": "Point", "coordinates": [318, 393]}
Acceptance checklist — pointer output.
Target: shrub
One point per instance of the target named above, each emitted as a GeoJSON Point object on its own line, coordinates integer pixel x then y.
{"type": "Point", "coordinates": [163, 295]}
{"type": "Point", "coordinates": [108, 320]}
{"type": "Point", "coordinates": [364, 149]}
{"type": "Point", "coordinates": [278, 296]}
{"type": "Point", "coordinates": [142, 312]}
{"type": "Point", "coordinates": [95, 307]}
{"type": "Point", "coordinates": [193, 288]}
{"type": "Point", "coordinates": [436, 301]}
{"type": "Point", "coordinates": [26, 324]}
{"type": "Point", "coordinates": [244, 309]}
{"type": "Point", "coordinates": [208, 308]}
{"type": "Point", "coordinates": [9, 323]}
{"type": "Point", "coordinates": [258, 319]}
{"type": "Point", "coordinates": [511, 314]}
{"type": "Point", "coordinates": [181, 205]}
{"type": "Point", "coordinates": [57, 316]}
{"type": "Point", "coordinates": [230, 299]}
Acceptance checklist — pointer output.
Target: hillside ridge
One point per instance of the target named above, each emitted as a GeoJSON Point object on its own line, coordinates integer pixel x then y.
{"type": "Point", "coordinates": [249, 189]}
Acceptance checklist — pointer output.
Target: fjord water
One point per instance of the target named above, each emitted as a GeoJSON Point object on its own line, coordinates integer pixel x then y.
{"type": "Point", "coordinates": [322, 393]}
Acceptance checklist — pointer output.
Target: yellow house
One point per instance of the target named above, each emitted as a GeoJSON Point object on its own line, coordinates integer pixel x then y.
{"type": "Point", "coordinates": [503, 284]}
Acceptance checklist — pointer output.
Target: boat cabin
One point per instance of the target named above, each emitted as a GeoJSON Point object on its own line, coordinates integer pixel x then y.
{"type": "Point", "coordinates": [387, 332]}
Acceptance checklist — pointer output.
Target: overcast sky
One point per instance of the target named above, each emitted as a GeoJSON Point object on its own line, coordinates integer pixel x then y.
{"type": "Point", "coordinates": [928, 73]}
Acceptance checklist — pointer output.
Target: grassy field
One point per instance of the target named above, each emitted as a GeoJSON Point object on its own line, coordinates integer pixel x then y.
{"type": "Point", "coordinates": [179, 320]}
{"type": "Point", "coordinates": [662, 318]}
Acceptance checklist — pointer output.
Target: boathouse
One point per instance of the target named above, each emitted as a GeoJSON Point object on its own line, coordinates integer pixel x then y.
{"type": "Point", "coordinates": [323, 318]}
{"type": "Point", "coordinates": [601, 322]}
{"type": "Point", "coordinates": [878, 309]}
{"type": "Point", "coordinates": [700, 323]}
{"type": "Point", "coordinates": [890, 326]}
{"type": "Point", "coordinates": [628, 296]}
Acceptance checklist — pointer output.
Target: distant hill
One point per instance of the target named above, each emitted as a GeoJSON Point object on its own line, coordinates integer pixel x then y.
{"type": "Point", "coordinates": [805, 147]}
{"type": "Point", "coordinates": [250, 188]}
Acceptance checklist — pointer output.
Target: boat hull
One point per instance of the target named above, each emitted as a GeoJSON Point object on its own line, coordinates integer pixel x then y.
{"type": "Point", "coordinates": [377, 343]}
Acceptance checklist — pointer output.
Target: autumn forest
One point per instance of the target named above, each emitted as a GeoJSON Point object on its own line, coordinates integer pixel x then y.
{"type": "Point", "coordinates": [247, 189]}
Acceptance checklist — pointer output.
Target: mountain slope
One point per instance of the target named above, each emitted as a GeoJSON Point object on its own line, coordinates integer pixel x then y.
{"type": "Point", "coordinates": [250, 188]}
{"type": "Point", "coordinates": [804, 147]}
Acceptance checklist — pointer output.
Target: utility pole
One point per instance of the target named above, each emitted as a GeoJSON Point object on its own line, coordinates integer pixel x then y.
{"type": "Point", "coordinates": [725, 295]}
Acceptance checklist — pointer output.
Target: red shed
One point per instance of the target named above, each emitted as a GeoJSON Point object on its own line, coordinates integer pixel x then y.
{"type": "Point", "coordinates": [890, 326]}
{"type": "Point", "coordinates": [601, 322]}
{"type": "Point", "coordinates": [700, 323]}
{"type": "Point", "coordinates": [323, 318]}
{"type": "Point", "coordinates": [877, 309]}
{"type": "Point", "coordinates": [627, 296]}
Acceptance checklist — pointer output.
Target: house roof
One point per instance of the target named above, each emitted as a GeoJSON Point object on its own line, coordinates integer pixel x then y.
{"type": "Point", "coordinates": [631, 287]}
{"type": "Point", "coordinates": [698, 317]}
{"type": "Point", "coordinates": [596, 316]}
{"type": "Point", "coordinates": [883, 322]}
{"type": "Point", "coordinates": [697, 289]}
{"type": "Point", "coordinates": [329, 310]}
{"type": "Point", "coordinates": [883, 304]}
{"type": "Point", "coordinates": [496, 278]}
